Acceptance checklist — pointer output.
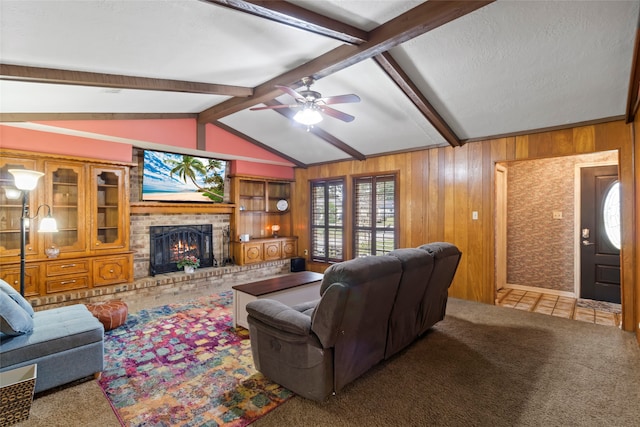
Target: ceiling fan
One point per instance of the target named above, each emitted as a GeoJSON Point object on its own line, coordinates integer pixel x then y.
{"type": "Point", "coordinates": [311, 104]}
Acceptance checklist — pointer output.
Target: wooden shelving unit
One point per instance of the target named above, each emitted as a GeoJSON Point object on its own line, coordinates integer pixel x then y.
{"type": "Point", "coordinates": [256, 211]}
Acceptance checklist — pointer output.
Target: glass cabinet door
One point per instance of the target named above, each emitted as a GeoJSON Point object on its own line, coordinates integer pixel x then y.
{"type": "Point", "coordinates": [67, 201]}
{"type": "Point", "coordinates": [108, 228]}
{"type": "Point", "coordinates": [11, 210]}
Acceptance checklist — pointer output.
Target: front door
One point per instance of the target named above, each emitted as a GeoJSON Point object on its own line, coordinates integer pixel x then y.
{"type": "Point", "coordinates": [600, 234]}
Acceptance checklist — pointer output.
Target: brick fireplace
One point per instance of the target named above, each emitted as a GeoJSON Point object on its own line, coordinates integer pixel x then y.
{"type": "Point", "coordinates": [141, 242]}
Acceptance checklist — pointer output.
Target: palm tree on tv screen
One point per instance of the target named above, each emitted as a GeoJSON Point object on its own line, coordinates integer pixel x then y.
{"type": "Point", "coordinates": [191, 168]}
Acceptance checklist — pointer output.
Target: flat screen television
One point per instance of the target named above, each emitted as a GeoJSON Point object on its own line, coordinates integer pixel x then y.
{"type": "Point", "coordinates": [171, 177]}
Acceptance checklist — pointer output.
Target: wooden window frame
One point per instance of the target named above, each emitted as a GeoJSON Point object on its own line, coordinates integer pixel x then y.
{"type": "Point", "coordinates": [326, 227]}
{"type": "Point", "coordinates": [374, 229]}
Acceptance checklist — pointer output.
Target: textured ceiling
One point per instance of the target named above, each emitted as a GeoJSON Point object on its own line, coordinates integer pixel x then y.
{"type": "Point", "coordinates": [504, 68]}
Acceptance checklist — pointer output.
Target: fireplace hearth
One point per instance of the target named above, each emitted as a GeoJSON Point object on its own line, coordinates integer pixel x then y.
{"type": "Point", "coordinates": [171, 242]}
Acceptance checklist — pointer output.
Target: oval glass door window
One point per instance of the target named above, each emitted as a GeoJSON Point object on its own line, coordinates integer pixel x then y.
{"type": "Point", "coordinates": [611, 214]}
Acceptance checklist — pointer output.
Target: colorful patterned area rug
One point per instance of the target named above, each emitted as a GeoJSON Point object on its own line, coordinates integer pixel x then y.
{"type": "Point", "coordinates": [185, 365]}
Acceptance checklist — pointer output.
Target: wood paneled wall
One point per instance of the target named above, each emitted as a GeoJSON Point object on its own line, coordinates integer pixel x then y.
{"type": "Point", "coordinates": [441, 187]}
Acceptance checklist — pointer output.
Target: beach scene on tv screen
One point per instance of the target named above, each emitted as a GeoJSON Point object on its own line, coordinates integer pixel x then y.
{"type": "Point", "coordinates": [182, 178]}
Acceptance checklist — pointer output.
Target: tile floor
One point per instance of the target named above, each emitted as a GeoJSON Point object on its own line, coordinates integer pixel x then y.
{"type": "Point", "coordinates": [554, 305]}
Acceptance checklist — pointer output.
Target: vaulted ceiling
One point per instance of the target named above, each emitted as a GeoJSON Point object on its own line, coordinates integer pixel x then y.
{"type": "Point", "coordinates": [428, 73]}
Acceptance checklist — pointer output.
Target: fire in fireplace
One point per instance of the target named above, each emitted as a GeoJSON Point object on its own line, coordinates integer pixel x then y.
{"type": "Point", "coordinates": [169, 243]}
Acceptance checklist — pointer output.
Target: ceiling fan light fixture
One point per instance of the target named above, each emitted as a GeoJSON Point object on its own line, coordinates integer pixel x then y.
{"type": "Point", "coordinates": [308, 116]}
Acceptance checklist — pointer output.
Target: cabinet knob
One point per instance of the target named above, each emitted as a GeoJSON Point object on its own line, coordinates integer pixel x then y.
{"type": "Point", "coordinates": [66, 282]}
{"type": "Point", "coordinates": [30, 248]}
{"type": "Point", "coordinates": [15, 282]}
{"type": "Point", "coordinates": [97, 243]}
{"type": "Point", "coordinates": [111, 271]}
{"type": "Point", "coordinates": [67, 266]}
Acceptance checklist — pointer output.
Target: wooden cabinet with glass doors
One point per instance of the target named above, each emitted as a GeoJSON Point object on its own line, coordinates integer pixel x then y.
{"type": "Point", "coordinates": [11, 210]}
{"type": "Point", "coordinates": [65, 193]}
{"type": "Point", "coordinates": [89, 200]}
{"type": "Point", "coordinates": [109, 230]}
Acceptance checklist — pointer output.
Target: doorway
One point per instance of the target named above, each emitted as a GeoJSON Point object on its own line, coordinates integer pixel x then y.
{"type": "Point", "coordinates": [537, 230]}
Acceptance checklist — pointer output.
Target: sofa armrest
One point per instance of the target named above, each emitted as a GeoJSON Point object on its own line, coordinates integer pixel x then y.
{"type": "Point", "coordinates": [305, 306]}
{"type": "Point", "coordinates": [279, 316]}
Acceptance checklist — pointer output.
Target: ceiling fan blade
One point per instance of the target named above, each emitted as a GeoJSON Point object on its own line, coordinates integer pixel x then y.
{"type": "Point", "coordinates": [337, 114]}
{"type": "Point", "coordinates": [271, 107]}
{"type": "Point", "coordinates": [291, 92]}
{"type": "Point", "coordinates": [340, 99]}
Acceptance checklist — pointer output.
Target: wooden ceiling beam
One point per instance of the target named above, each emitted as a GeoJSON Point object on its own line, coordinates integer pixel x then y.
{"type": "Point", "coordinates": [298, 17]}
{"type": "Point", "coordinates": [417, 21]}
{"type": "Point", "coordinates": [116, 81]}
{"type": "Point", "coordinates": [259, 144]}
{"type": "Point", "coordinates": [320, 133]}
{"type": "Point", "coordinates": [402, 80]}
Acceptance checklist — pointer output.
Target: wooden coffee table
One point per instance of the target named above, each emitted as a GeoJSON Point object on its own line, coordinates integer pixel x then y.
{"type": "Point", "coordinates": [290, 289]}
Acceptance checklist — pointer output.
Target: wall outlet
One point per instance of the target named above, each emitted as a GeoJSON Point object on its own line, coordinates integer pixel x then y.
{"type": "Point", "coordinates": [306, 252]}
{"type": "Point", "coordinates": [262, 232]}
{"type": "Point", "coordinates": [474, 215]}
{"type": "Point", "coordinates": [557, 214]}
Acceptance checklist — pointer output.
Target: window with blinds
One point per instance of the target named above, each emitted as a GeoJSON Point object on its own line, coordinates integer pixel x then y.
{"type": "Point", "coordinates": [374, 215]}
{"type": "Point", "coordinates": [327, 224]}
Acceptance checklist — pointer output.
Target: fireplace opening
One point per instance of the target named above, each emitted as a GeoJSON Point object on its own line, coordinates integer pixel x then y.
{"type": "Point", "coordinates": [169, 243]}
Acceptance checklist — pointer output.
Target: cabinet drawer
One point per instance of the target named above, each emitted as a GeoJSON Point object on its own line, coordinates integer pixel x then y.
{"type": "Point", "coordinates": [67, 267]}
{"type": "Point", "coordinates": [109, 271]}
{"type": "Point", "coordinates": [67, 283]}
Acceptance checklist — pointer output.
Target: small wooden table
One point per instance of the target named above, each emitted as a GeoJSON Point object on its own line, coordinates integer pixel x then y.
{"type": "Point", "coordinates": [290, 290]}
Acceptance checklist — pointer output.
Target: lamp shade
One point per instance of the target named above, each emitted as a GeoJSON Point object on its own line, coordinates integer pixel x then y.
{"type": "Point", "coordinates": [25, 179]}
{"type": "Point", "coordinates": [12, 193]}
{"type": "Point", "coordinates": [308, 116]}
{"type": "Point", "coordinates": [48, 225]}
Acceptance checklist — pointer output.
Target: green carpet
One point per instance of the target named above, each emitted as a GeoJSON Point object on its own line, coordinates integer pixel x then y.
{"type": "Point", "coordinates": [185, 365]}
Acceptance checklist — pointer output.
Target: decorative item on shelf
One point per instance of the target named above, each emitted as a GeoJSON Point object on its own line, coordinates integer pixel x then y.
{"type": "Point", "coordinates": [189, 263]}
{"type": "Point", "coordinates": [274, 229]}
{"type": "Point", "coordinates": [27, 180]}
{"type": "Point", "coordinates": [52, 251]}
{"type": "Point", "coordinates": [282, 205]}
{"type": "Point", "coordinates": [245, 237]}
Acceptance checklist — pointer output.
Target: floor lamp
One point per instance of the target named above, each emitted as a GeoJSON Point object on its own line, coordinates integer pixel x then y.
{"type": "Point", "coordinates": [26, 181]}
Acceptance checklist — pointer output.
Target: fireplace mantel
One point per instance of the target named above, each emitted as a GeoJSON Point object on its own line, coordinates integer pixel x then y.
{"type": "Point", "coordinates": [181, 208]}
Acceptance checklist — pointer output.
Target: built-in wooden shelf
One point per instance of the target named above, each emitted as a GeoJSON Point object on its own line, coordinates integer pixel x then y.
{"type": "Point", "coordinates": [178, 208]}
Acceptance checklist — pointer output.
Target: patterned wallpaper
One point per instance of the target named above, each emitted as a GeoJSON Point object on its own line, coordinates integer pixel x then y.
{"type": "Point", "coordinates": [540, 249]}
